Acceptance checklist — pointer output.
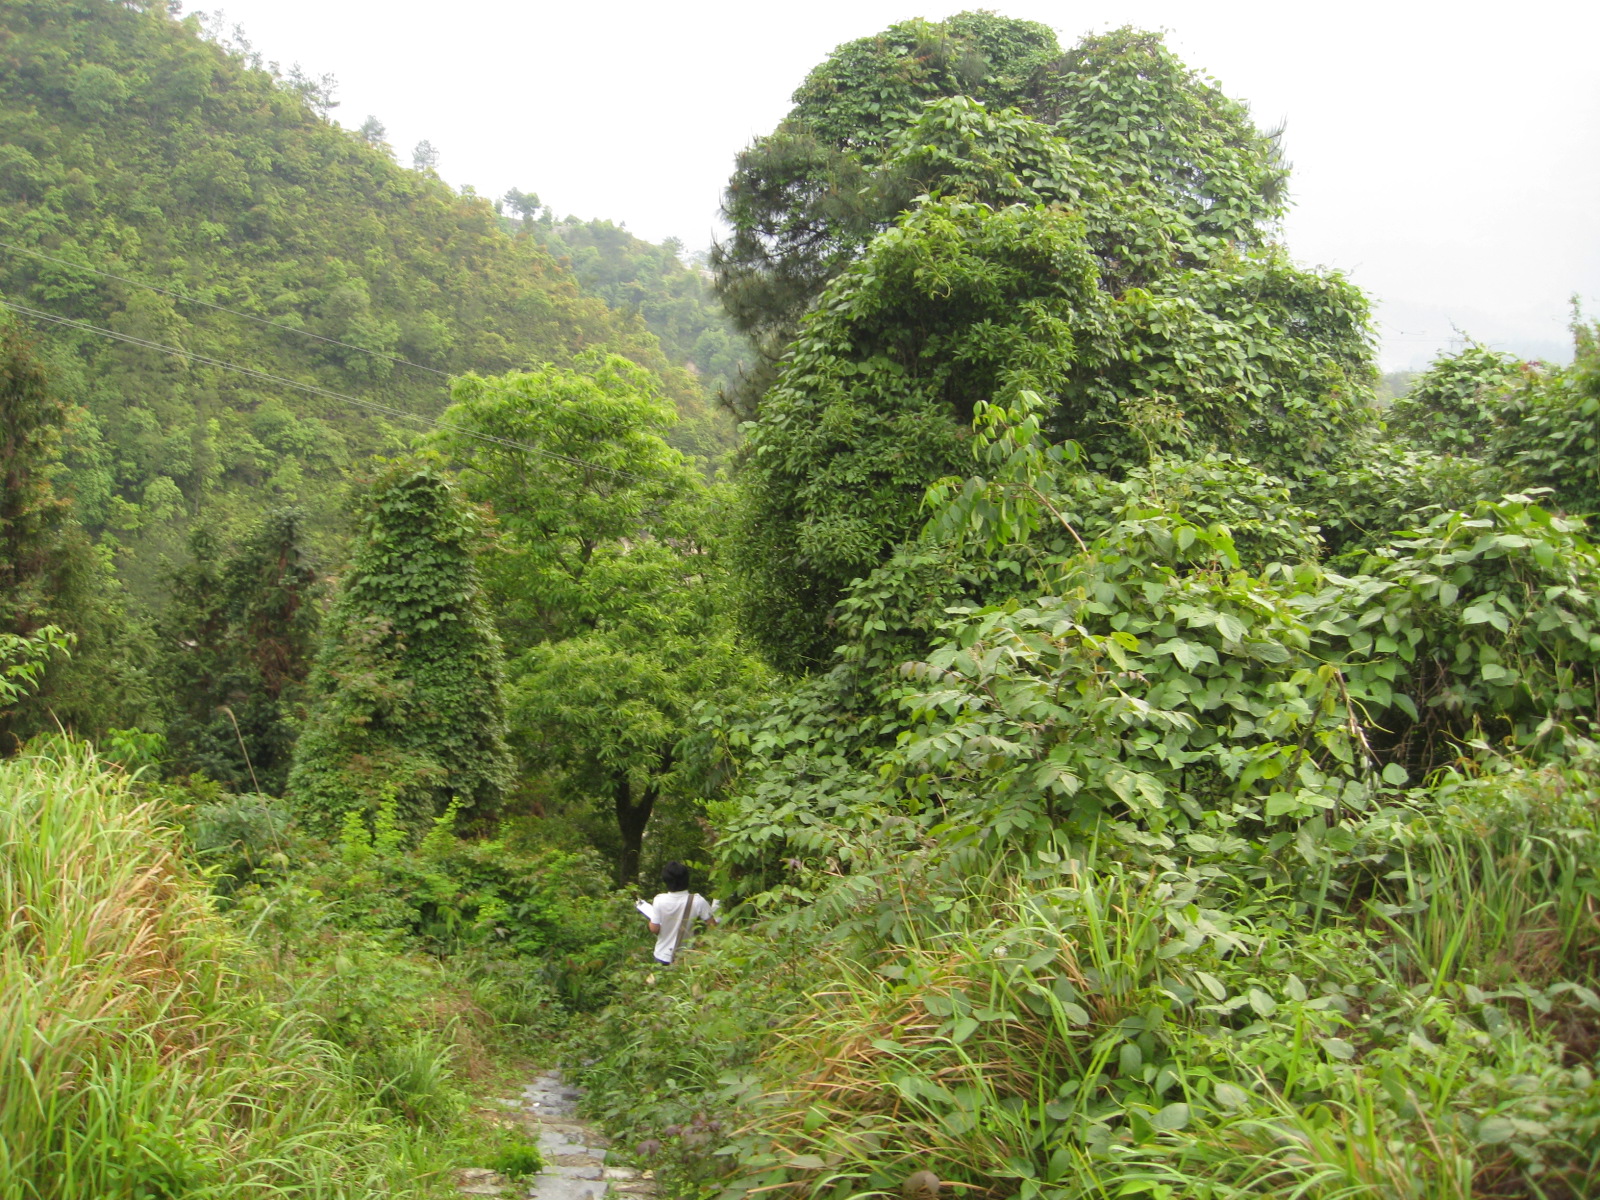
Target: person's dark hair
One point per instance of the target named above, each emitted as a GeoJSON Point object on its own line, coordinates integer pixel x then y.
{"type": "Point", "coordinates": [675, 876]}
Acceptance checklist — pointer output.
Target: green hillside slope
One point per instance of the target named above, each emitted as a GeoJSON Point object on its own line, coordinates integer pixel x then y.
{"type": "Point", "coordinates": [636, 276]}
{"type": "Point", "coordinates": [132, 147]}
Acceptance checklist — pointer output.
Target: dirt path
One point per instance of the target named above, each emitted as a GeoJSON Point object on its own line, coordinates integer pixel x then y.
{"type": "Point", "coordinates": [574, 1151]}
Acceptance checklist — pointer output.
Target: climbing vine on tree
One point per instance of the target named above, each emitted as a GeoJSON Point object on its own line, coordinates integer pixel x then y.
{"type": "Point", "coordinates": [406, 703]}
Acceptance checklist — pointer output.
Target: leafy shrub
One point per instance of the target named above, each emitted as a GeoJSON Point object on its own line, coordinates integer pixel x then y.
{"type": "Point", "coordinates": [1458, 403]}
{"type": "Point", "coordinates": [448, 893]}
{"type": "Point", "coordinates": [1134, 672]}
{"type": "Point", "coordinates": [240, 835]}
{"type": "Point", "coordinates": [1375, 487]}
{"type": "Point", "coordinates": [1551, 433]}
{"type": "Point", "coordinates": [517, 1161]}
{"type": "Point", "coordinates": [1492, 618]}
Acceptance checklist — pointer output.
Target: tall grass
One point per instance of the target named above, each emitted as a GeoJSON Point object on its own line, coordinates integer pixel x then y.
{"type": "Point", "coordinates": [135, 1058]}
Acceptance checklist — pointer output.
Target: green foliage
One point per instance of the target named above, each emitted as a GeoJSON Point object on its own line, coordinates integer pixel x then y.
{"type": "Point", "coordinates": [406, 693]}
{"type": "Point", "coordinates": [32, 516]}
{"type": "Point", "coordinates": [445, 893]}
{"type": "Point", "coordinates": [672, 297]}
{"type": "Point", "coordinates": [798, 200]}
{"type": "Point", "coordinates": [606, 574]}
{"type": "Point", "coordinates": [1494, 613]}
{"type": "Point", "coordinates": [223, 185]}
{"type": "Point", "coordinates": [1082, 651]}
{"type": "Point", "coordinates": [1230, 1018]}
{"type": "Point", "coordinates": [1455, 405]}
{"type": "Point", "coordinates": [424, 959]}
{"type": "Point", "coordinates": [518, 1162]}
{"type": "Point", "coordinates": [147, 1050]}
{"type": "Point", "coordinates": [957, 304]}
{"type": "Point", "coordinates": [24, 659]}
{"type": "Point", "coordinates": [877, 125]}
{"type": "Point", "coordinates": [1551, 432]}
{"type": "Point", "coordinates": [237, 639]}
{"type": "Point", "coordinates": [405, 1024]}
{"type": "Point", "coordinates": [241, 837]}
{"type": "Point", "coordinates": [1377, 485]}
{"type": "Point", "coordinates": [1475, 425]}
{"type": "Point", "coordinates": [1127, 279]}
{"type": "Point", "coordinates": [600, 475]}
{"type": "Point", "coordinates": [662, 1058]}
{"type": "Point", "coordinates": [50, 577]}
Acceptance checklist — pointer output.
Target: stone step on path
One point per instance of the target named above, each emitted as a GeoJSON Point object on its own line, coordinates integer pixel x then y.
{"type": "Point", "coordinates": [574, 1151]}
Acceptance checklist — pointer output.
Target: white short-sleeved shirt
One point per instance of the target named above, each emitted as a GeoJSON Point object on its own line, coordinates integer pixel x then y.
{"type": "Point", "coordinates": [672, 909]}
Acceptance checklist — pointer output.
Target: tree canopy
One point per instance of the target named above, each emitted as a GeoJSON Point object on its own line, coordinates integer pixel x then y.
{"type": "Point", "coordinates": [607, 578]}
{"type": "Point", "coordinates": [1130, 280]}
{"type": "Point", "coordinates": [1116, 123]}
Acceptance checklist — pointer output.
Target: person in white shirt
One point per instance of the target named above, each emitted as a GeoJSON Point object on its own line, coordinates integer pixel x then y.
{"type": "Point", "coordinates": [672, 913]}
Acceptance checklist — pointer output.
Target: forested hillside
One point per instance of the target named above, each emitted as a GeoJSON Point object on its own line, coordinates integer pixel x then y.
{"type": "Point", "coordinates": [134, 153]}
{"type": "Point", "coordinates": [1134, 757]}
{"type": "Point", "coordinates": [631, 275]}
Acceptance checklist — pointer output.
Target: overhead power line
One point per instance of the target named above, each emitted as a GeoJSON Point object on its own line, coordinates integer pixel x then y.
{"type": "Point", "coordinates": [313, 389]}
{"type": "Point", "coordinates": [316, 337]}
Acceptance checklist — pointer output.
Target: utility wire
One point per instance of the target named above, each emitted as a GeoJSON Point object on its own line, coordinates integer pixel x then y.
{"type": "Point", "coordinates": [220, 308]}
{"type": "Point", "coordinates": [284, 381]}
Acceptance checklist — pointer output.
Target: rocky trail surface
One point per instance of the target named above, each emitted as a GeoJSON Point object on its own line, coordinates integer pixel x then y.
{"type": "Point", "coordinates": [574, 1151]}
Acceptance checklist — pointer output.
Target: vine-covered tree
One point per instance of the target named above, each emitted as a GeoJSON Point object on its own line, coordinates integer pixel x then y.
{"type": "Point", "coordinates": [1118, 119]}
{"type": "Point", "coordinates": [406, 694]}
{"type": "Point", "coordinates": [961, 303]}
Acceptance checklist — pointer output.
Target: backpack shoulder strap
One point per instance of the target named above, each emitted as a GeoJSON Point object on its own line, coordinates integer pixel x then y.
{"type": "Point", "coordinates": [683, 924]}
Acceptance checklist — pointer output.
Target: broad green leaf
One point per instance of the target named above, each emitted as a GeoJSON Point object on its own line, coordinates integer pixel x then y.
{"type": "Point", "coordinates": [1338, 1048]}
{"type": "Point", "coordinates": [1230, 1096]}
{"type": "Point", "coordinates": [1172, 1117]}
{"type": "Point", "coordinates": [1263, 1004]}
{"type": "Point", "coordinates": [1494, 1130]}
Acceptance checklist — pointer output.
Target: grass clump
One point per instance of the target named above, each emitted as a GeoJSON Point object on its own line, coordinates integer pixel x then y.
{"type": "Point", "coordinates": [137, 1057]}
{"type": "Point", "coordinates": [517, 1160]}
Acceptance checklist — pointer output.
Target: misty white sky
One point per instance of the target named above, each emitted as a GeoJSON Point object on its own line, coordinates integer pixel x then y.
{"type": "Point", "coordinates": [1446, 156]}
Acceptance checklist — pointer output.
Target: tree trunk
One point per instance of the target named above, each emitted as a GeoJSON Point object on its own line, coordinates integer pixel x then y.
{"type": "Point", "coordinates": [632, 816]}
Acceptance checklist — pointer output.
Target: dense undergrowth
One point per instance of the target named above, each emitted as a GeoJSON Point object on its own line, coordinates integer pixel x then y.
{"type": "Point", "coordinates": [148, 1051]}
{"type": "Point", "coordinates": [1407, 1009]}
{"type": "Point", "coordinates": [1188, 784]}
{"type": "Point", "coordinates": [202, 1001]}
{"type": "Point", "coordinates": [1131, 850]}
